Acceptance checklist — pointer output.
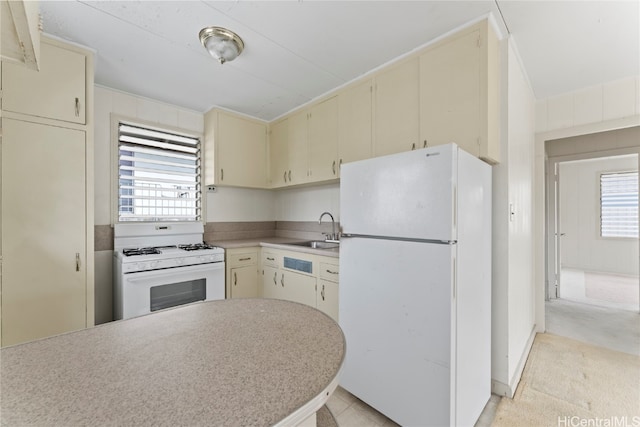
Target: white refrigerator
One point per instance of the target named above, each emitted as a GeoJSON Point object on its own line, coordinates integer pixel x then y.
{"type": "Point", "coordinates": [415, 285]}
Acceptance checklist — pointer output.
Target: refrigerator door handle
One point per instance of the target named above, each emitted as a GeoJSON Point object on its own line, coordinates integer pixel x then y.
{"type": "Point", "coordinates": [402, 239]}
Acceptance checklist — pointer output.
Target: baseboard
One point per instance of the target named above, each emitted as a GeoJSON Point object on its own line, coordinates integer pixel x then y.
{"type": "Point", "coordinates": [509, 390]}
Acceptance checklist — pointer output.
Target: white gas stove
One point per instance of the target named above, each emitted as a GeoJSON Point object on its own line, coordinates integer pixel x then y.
{"type": "Point", "coordinates": [158, 266]}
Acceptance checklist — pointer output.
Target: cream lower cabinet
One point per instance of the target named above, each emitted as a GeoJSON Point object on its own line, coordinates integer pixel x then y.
{"type": "Point", "coordinates": [45, 285]}
{"type": "Point", "coordinates": [327, 295]}
{"type": "Point", "coordinates": [242, 273]}
{"type": "Point", "coordinates": [301, 277]}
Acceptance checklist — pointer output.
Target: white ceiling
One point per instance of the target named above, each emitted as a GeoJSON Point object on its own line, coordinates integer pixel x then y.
{"type": "Point", "coordinates": [296, 51]}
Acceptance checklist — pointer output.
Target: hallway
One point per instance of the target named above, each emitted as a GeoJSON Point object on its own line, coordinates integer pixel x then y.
{"type": "Point", "coordinates": [611, 328]}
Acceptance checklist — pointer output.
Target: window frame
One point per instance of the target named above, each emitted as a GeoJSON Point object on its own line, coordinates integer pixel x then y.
{"type": "Point", "coordinates": [599, 204]}
{"type": "Point", "coordinates": [116, 120]}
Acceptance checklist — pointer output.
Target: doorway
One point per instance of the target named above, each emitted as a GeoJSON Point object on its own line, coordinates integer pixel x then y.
{"type": "Point", "coordinates": [593, 231]}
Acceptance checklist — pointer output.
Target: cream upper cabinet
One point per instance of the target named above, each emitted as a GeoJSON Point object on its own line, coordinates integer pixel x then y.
{"type": "Point", "coordinates": [397, 108]}
{"type": "Point", "coordinates": [355, 122]}
{"type": "Point", "coordinates": [57, 91]}
{"type": "Point", "coordinates": [240, 150]}
{"type": "Point", "coordinates": [323, 140]}
{"type": "Point", "coordinates": [278, 152]}
{"type": "Point", "coordinates": [298, 150]}
{"type": "Point", "coordinates": [459, 93]}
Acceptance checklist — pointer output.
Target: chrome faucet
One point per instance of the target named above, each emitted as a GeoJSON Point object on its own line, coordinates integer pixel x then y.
{"type": "Point", "coordinates": [333, 235]}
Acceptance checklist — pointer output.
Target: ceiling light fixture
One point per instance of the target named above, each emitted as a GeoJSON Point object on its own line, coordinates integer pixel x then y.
{"type": "Point", "coordinates": [222, 44]}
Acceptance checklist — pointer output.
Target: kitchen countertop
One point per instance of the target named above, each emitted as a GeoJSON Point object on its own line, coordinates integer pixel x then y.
{"type": "Point", "coordinates": [218, 363]}
{"type": "Point", "coordinates": [277, 243]}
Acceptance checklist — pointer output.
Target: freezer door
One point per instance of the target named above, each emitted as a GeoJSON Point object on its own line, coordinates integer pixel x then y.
{"type": "Point", "coordinates": [395, 311]}
{"type": "Point", "coordinates": [405, 195]}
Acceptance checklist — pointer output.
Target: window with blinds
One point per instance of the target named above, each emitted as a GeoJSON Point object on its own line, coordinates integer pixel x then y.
{"type": "Point", "coordinates": [619, 204]}
{"type": "Point", "coordinates": [158, 175]}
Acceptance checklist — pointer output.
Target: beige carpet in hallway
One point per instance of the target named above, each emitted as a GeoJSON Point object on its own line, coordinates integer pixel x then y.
{"type": "Point", "coordinates": [567, 381]}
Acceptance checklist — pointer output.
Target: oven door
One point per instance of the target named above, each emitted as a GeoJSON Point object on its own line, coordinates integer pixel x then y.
{"type": "Point", "coordinates": [147, 291]}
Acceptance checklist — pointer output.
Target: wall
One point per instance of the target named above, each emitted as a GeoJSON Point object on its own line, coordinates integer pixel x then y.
{"type": "Point", "coordinates": [307, 203]}
{"type": "Point", "coordinates": [513, 289]}
{"type": "Point", "coordinates": [582, 247]}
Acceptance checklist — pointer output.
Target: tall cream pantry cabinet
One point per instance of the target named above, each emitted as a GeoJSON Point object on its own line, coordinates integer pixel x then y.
{"type": "Point", "coordinates": [47, 195]}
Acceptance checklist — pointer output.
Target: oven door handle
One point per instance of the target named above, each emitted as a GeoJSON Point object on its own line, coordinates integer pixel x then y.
{"type": "Point", "coordinates": [173, 272]}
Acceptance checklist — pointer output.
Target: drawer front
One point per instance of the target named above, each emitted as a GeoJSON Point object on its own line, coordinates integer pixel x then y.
{"type": "Point", "coordinates": [329, 272]}
{"type": "Point", "coordinates": [240, 260]}
{"type": "Point", "coordinates": [270, 259]}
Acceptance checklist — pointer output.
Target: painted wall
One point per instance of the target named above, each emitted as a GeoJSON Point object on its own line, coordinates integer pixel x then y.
{"type": "Point", "coordinates": [307, 203]}
{"type": "Point", "coordinates": [513, 299]}
{"type": "Point", "coordinates": [582, 247]}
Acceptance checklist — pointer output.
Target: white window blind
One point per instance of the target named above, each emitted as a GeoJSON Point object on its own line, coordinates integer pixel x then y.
{"type": "Point", "coordinates": [158, 175]}
{"type": "Point", "coordinates": [619, 204]}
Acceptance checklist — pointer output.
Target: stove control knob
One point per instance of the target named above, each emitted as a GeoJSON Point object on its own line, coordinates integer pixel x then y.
{"type": "Point", "coordinates": [141, 266]}
{"type": "Point", "coordinates": [179, 261]}
{"type": "Point", "coordinates": [153, 264]}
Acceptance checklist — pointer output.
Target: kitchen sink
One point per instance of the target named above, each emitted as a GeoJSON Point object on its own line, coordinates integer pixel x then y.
{"type": "Point", "coordinates": [317, 244]}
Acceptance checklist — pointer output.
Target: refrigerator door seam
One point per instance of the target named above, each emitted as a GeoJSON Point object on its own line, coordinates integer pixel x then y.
{"type": "Point", "coordinates": [402, 239]}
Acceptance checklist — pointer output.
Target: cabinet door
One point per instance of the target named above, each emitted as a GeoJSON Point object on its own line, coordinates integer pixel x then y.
{"type": "Point", "coordinates": [323, 141]}
{"type": "Point", "coordinates": [450, 93]}
{"type": "Point", "coordinates": [327, 298]}
{"type": "Point", "coordinates": [242, 151]}
{"type": "Point", "coordinates": [43, 226]}
{"type": "Point", "coordinates": [57, 91]}
{"type": "Point", "coordinates": [244, 282]}
{"type": "Point", "coordinates": [397, 104]}
{"type": "Point", "coordinates": [298, 287]}
{"type": "Point", "coordinates": [279, 155]}
{"type": "Point", "coordinates": [298, 149]}
{"type": "Point", "coordinates": [270, 283]}
{"type": "Point", "coordinates": [354, 123]}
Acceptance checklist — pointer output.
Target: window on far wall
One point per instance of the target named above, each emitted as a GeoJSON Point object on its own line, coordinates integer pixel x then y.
{"type": "Point", "coordinates": [619, 204]}
{"type": "Point", "coordinates": [158, 175]}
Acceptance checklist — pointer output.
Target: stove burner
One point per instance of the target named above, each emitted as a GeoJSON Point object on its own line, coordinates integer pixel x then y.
{"type": "Point", "coordinates": [195, 247]}
{"type": "Point", "coordinates": [141, 251]}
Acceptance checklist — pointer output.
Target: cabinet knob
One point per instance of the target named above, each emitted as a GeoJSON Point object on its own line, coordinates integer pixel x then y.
{"type": "Point", "coordinates": [235, 278]}
{"type": "Point", "coordinates": [77, 261]}
{"type": "Point", "coordinates": [413, 146]}
{"type": "Point", "coordinates": [322, 293]}
{"type": "Point", "coordinates": [284, 175]}
{"type": "Point", "coordinates": [425, 144]}
{"type": "Point", "coordinates": [282, 280]}
{"type": "Point", "coordinates": [333, 167]}
{"type": "Point", "coordinates": [221, 174]}
{"type": "Point", "coordinates": [289, 175]}
{"type": "Point", "coordinates": [77, 107]}
{"type": "Point", "coordinates": [275, 282]}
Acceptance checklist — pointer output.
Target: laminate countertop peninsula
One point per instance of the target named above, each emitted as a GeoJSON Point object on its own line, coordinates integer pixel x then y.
{"type": "Point", "coordinates": [241, 362]}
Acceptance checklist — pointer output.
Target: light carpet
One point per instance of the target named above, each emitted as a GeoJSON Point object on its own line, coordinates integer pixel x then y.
{"type": "Point", "coordinates": [567, 383]}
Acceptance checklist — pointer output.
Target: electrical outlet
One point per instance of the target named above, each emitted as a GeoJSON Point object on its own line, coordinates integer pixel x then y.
{"type": "Point", "coordinates": [212, 188]}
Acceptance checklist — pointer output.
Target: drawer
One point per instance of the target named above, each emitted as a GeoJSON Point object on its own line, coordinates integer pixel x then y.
{"type": "Point", "coordinates": [270, 259]}
{"type": "Point", "coordinates": [329, 272]}
{"type": "Point", "coordinates": [240, 260]}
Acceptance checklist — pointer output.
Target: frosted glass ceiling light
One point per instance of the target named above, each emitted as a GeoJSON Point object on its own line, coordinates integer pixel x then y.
{"type": "Point", "coordinates": [222, 44]}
